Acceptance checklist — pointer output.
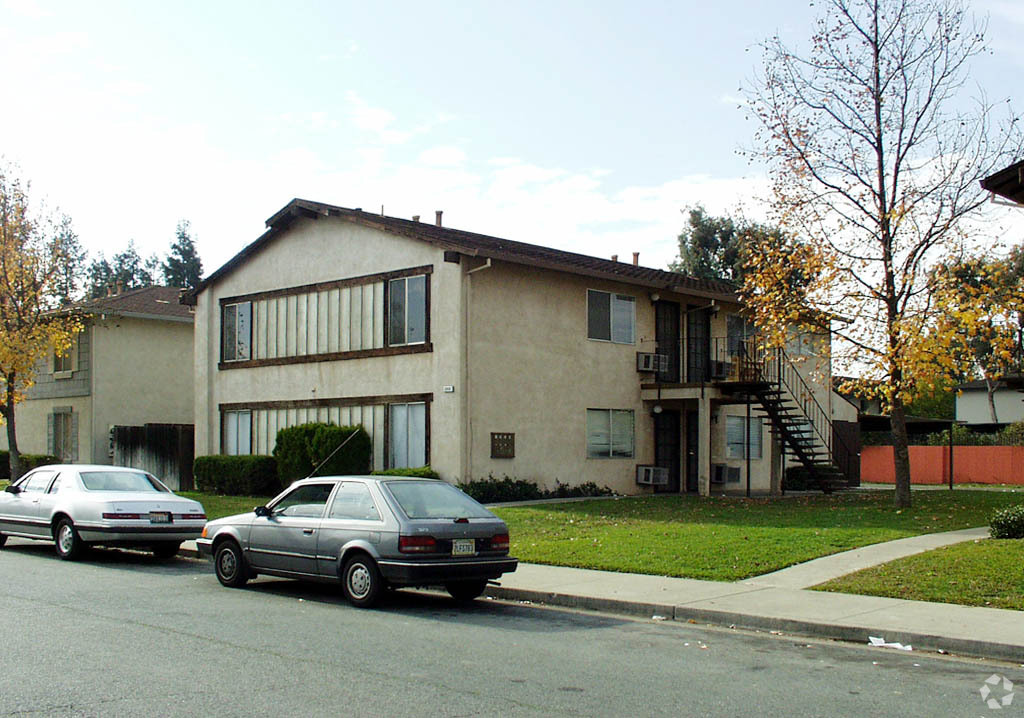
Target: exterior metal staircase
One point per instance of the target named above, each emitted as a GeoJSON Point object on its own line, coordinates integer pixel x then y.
{"type": "Point", "coordinates": [797, 419]}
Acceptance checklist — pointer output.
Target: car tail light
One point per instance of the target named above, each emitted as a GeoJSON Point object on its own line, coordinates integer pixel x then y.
{"type": "Point", "coordinates": [499, 542]}
{"type": "Point", "coordinates": [117, 516]}
{"type": "Point", "coordinates": [417, 544]}
{"type": "Point", "coordinates": [191, 517]}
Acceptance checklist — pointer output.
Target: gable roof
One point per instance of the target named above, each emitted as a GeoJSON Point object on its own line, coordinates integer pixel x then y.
{"type": "Point", "coordinates": [146, 303]}
{"type": "Point", "coordinates": [1008, 183]}
{"type": "Point", "coordinates": [477, 245]}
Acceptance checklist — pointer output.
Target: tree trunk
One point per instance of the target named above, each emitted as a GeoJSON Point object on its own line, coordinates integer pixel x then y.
{"type": "Point", "coordinates": [901, 453]}
{"type": "Point", "coordinates": [990, 387]}
{"type": "Point", "coordinates": [7, 410]}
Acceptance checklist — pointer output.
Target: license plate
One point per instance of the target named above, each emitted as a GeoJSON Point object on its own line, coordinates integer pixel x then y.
{"type": "Point", "coordinates": [159, 517]}
{"type": "Point", "coordinates": [463, 547]}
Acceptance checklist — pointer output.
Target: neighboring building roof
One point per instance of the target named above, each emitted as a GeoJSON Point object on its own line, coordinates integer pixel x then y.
{"type": "Point", "coordinates": [478, 245]}
{"type": "Point", "coordinates": [1008, 183]}
{"type": "Point", "coordinates": [1004, 382]}
{"type": "Point", "coordinates": [145, 303]}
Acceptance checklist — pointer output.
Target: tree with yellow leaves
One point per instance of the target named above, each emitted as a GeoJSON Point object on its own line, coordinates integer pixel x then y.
{"type": "Point", "coordinates": [875, 159]}
{"type": "Point", "coordinates": [33, 257]}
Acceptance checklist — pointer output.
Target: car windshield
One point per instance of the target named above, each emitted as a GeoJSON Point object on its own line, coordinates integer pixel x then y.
{"type": "Point", "coordinates": [120, 481]}
{"type": "Point", "coordinates": [435, 500]}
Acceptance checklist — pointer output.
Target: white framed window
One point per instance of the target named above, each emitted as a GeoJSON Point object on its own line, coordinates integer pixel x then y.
{"type": "Point", "coordinates": [407, 310]}
{"type": "Point", "coordinates": [408, 435]}
{"type": "Point", "coordinates": [236, 332]}
{"type": "Point", "coordinates": [236, 432]}
{"type": "Point", "coordinates": [736, 437]}
{"type": "Point", "coordinates": [609, 433]}
{"type": "Point", "coordinates": [611, 317]}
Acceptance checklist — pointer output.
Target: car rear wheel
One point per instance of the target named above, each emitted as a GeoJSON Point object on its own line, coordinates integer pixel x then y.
{"type": "Point", "coordinates": [466, 590]}
{"type": "Point", "coordinates": [361, 581]}
{"type": "Point", "coordinates": [70, 546]}
{"type": "Point", "coordinates": [228, 562]}
{"type": "Point", "coordinates": [3, 540]}
{"type": "Point", "coordinates": [166, 550]}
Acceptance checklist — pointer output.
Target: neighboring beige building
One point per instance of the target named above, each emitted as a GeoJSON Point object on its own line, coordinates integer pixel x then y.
{"type": "Point", "coordinates": [974, 408]}
{"type": "Point", "coordinates": [482, 356]}
{"type": "Point", "coordinates": [131, 365]}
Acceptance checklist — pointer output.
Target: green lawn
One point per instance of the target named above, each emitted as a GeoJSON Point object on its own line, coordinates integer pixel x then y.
{"type": "Point", "coordinates": [727, 539]}
{"type": "Point", "coordinates": [978, 573]}
{"type": "Point", "coordinates": [219, 506]}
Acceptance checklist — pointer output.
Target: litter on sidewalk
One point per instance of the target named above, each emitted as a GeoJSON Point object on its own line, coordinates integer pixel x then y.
{"type": "Point", "coordinates": [880, 642]}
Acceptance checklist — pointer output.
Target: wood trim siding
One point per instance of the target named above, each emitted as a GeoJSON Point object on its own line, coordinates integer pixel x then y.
{"type": "Point", "coordinates": [337, 401]}
{"type": "Point", "coordinates": [327, 286]}
{"type": "Point", "coordinates": [332, 356]}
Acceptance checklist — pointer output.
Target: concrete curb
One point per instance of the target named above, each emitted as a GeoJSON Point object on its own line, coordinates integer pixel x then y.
{"type": "Point", "coordinates": [797, 627]}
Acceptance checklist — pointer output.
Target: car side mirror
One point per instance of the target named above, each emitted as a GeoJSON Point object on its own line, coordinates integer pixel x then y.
{"type": "Point", "coordinates": [261, 511]}
{"type": "Point", "coordinates": [12, 489]}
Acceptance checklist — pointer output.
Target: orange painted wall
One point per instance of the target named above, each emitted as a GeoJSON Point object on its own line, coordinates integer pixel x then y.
{"type": "Point", "coordinates": [930, 464]}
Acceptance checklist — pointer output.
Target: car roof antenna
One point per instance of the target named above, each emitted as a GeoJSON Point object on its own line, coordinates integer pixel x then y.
{"type": "Point", "coordinates": [331, 455]}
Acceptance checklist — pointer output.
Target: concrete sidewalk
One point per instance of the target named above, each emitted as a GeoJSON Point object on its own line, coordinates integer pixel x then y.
{"type": "Point", "coordinates": [780, 602]}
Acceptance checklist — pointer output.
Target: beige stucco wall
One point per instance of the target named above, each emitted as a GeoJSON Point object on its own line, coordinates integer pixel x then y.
{"type": "Point", "coordinates": [30, 419]}
{"type": "Point", "coordinates": [323, 250]}
{"type": "Point", "coordinates": [972, 406]}
{"type": "Point", "coordinates": [141, 373]}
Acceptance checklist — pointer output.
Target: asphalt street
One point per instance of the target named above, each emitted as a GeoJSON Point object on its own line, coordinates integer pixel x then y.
{"type": "Point", "coordinates": [123, 634]}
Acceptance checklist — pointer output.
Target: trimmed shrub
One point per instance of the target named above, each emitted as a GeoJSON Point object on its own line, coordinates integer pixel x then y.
{"type": "Point", "coordinates": [28, 462]}
{"type": "Point", "coordinates": [237, 475]}
{"type": "Point", "coordinates": [292, 451]}
{"type": "Point", "coordinates": [493, 490]}
{"type": "Point", "coordinates": [1007, 523]}
{"type": "Point", "coordinates": [422, 472]}
{"type": "Point", "coordinates": [354, 458]}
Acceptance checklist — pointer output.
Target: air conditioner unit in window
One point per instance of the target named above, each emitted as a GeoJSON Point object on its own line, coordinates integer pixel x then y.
{"type": "Point", "coordinates": [651, 475]}
{"type": "Point", "coordinates": [646, 361]}
{"type": "Point", "coordinates": [718, 473]}
{"type": "Point", "coordinates": [720, 369]}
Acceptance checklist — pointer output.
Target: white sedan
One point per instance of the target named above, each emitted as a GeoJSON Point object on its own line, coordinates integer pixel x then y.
{"type": "Point", "coordinates": [78, 505]}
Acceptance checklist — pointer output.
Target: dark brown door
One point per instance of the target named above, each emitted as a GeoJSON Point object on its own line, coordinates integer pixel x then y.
{"type": "Point", "coordinates": [846, 449]}
{"type": "Point", "coordinates": [667, 449]}
{"type": "Point", "coordinates": [666, 337]}
{"type": "Point", "coordinates": [698, 344]}
{"type": "Point", "coordinates": [692, 448]}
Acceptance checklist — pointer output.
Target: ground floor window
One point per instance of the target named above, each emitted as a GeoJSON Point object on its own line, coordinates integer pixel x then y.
{"type": "Point", "coordinates": [408, 435]}
{"type": "Point", "coordinates": [62, 431]}
{"type": "Point", "coordinates": [736, 437]}
{"type": "Point", "coordinates": [609, 433]}
{"type": "Point", "coordinates": [236, 438]}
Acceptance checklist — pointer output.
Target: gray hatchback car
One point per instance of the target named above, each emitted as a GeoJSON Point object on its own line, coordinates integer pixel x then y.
{"type": "Point", "coordinates": [366, 532]}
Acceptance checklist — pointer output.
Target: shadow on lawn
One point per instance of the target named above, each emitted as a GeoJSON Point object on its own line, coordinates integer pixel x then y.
{"type": "Point", "coordinates": [931, 511]}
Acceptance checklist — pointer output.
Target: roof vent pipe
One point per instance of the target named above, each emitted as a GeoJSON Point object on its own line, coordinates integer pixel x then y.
{"type": "Point", "coordinates": [415, 218]}
{"type": "Point", "coordinates": [615, 258]}
{"type": "Point", "coordinates": [437, 213]}
{"type": "Point", "coordinates": [636, 258]}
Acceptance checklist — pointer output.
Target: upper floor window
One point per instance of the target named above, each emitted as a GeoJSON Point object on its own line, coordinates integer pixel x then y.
{"type": "Point", "coordinates": [739, 329]}
{"type": "Point", "coordinates": [236, 331]}
{"type": "Point", "coordinates": [611, 317]}
{"type": "Point", "coordinates": [407, 310]}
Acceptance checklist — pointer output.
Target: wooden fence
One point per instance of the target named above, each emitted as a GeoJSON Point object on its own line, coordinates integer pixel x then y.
{"type": "Point", "coordinates": [930, 464]}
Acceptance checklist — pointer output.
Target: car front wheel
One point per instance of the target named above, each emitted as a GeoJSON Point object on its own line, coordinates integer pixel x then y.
{"type": "Point", "coordinates": [69, 544]}
{"type": "Point", "coordinates": [228, 562]}
{"type": "Point", "coordinates": [361, 581]}
{"type": "Point", "coordinates": [3, 540]}
{"type": "Point", "coordinates": [466, 590]}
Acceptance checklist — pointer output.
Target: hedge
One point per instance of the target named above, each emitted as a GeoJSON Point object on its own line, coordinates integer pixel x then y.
{"type": "Point", "coordinates": [301, 448]}
{"type": "Point", "coordinates": [1007, 523]}
{"type": "Point", "coordinates": [493, 490]}
{"type": "Point", "coordinates": [421, 472]}
{"type": "Point", "coordinates": [28, 462]}
{"type": "Point", "coordinates": [237, 475]}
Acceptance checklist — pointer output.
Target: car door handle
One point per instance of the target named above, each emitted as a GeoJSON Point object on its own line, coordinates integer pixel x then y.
{"type": "Point", "coordinates": [308, 532]}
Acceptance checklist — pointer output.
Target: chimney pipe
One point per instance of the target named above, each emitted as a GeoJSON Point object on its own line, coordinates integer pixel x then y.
{"type": "Point", "coordinates": [636, 259]}
{"type": "Point", "coordinates": [615, 258]}
{"type": "Point", "coordinates": [110, 289]}
{"type": "Point", "coordinates": [120, 287]}
{"type": "Point", "coordinates": [415, 218]}
{"type": "Point", "coordinates": [437, 213]}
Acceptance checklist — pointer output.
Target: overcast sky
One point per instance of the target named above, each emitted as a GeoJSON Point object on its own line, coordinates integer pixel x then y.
{"type": "Point", "coordinates": [586, 126]}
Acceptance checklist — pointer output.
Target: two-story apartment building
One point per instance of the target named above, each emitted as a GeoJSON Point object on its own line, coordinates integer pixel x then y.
{"type": "Point", "coordinates": [130, 365]}
{"type": "Point", "coordinates": [482, 356]}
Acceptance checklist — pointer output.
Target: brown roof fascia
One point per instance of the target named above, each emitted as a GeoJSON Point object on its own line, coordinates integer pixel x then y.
{"type": "Point", "coordinates": [1008, 183]}
{"type": "Point", "coordinates": [469, 243]}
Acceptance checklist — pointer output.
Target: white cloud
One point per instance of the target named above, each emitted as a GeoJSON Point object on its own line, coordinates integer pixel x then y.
{"type": "Point", "coordinates": [27, 8]}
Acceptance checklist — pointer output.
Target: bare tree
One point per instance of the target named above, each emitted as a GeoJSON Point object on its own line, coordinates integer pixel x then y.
{"type": "Point", "coordinates": [875, 158]}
